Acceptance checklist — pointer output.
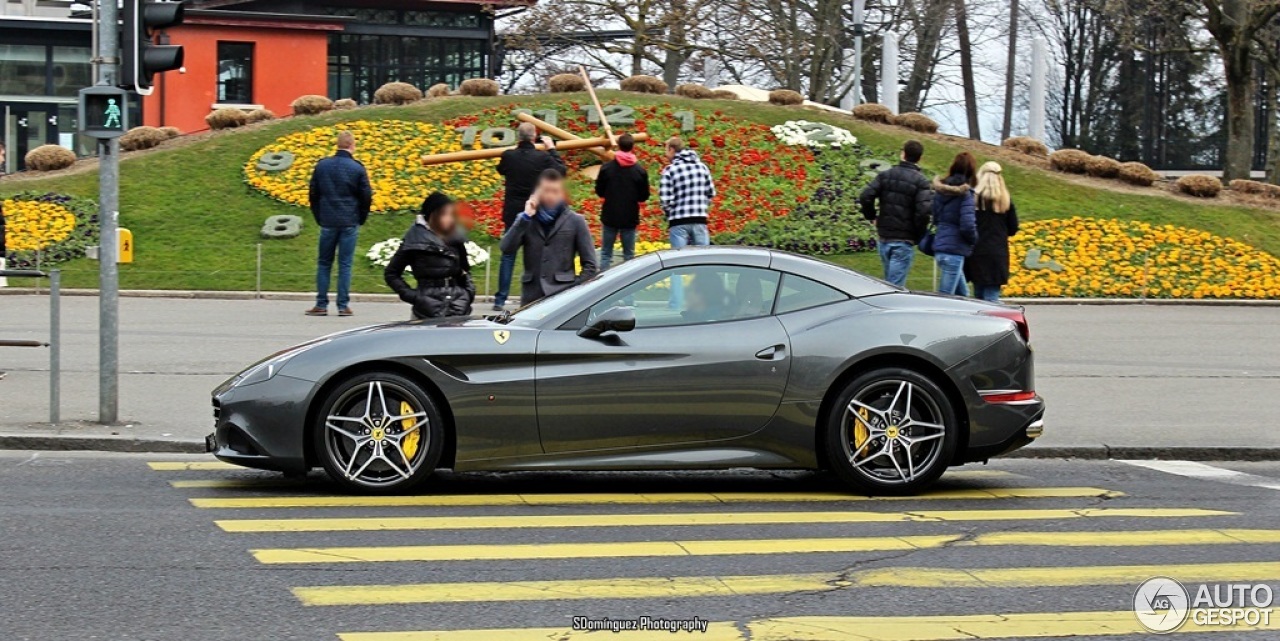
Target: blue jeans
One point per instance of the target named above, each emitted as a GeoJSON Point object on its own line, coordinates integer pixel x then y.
{"type": "Point", "coordinates": [896, 256]}
{"type": "Point", "coordinates": [951, 274]}
{"type": "Point", "coordinates": [342, 241]}
{"type": "Point", "coordinates": [684, 236]}
{"type": "Point", "coordinates": [608, 236]}
{"type": "Point", "coordinates": [987, 292]}
{"type": "Point", "coordinates": [505, 271]}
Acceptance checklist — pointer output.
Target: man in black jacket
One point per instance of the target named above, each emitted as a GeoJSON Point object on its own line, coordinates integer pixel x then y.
{"type": "Point", "coordinates": [623, 184]}
{"type": "Point", "coordinates": [521, 167]}
{"type": "Point", "coordinates": [340, 198]}
{"type": "Point", "coordinates": [906, 198]}
{"type": "Point", "coordinates": [554, 237]}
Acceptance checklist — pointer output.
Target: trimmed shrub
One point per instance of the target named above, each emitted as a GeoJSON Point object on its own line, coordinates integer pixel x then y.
{"type": "Point", "coordinates": [226, 118]}
{"type": "Point", "coordinates": [259, 115]}
{"type": "Point", "coordinates": [345, 103]}
{"type": "Point", "coordinates": [478, 87]}
{"type": "Point", "coordinates": [693, 90]}
{"type": "Point", "coordinates": [396, 93]}
{"type": "Point", "coordinates": [1255, 187]}
{"type": "Point", "coordinates": [1071, 161]}
{"type": "Point", "coordinates": [1102, 167]}
{"type": "Point", "coordinates": [311, 105]}
{"type": "Point", "coordinates": [438, 90]}
{"type": "Point", "coordinates": [566, 83]}
{"type": "Point", "coordinates": [1027, 145]}
{"type": "Point", "coordinates": [785, 97]}
{"type": "Point", "coordinates": [916, 122]}
{"type": "Point", "coordinates": [142, 138]}
{"type": "Point", "coordinates": [1136, 173]}
{"type": "Point", "coordinates": [1199, 185]}
{"type": "Point", "coordinates": [873, 112]}
{"type": "Point", "coordinates": [171, 132]}
{"type": "Point", "coordinates": [724, 94]}
{"type": "Point", "coordinates": [644, 84]}
{"type": "Point", "coordinates": [49, 158]}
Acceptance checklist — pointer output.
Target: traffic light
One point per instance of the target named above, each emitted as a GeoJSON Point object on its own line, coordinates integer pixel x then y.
{"type": "Point", "coordinates": [142, 59]}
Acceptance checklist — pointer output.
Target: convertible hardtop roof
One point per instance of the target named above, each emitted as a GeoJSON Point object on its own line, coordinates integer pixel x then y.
{"type": "Point", "coordinates": [853, 283]}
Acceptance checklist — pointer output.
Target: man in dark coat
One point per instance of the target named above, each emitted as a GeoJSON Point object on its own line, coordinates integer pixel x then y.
{"type": "Point", "coordinates": [340, 198]}
{"type": "Point", "coordinates": [623, 184]}
{"type": "Point", "coordinates": [521, 167]}
{"type": "Point", "coordinates": [905, 197]}
{"type": "Point", "coordinates": [552, 236]}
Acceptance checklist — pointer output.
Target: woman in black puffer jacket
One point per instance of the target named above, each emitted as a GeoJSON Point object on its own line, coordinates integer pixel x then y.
{"type": "Point", "coordinates": [436, 251]}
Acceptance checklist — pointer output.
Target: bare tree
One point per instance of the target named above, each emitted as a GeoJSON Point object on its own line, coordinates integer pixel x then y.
{"type": "Point", "coordinates": [1010, 71]}
{"type": "Point", "coordinates": [1234, 25]}
{"type": "Point", "coordinates": [966, 70]}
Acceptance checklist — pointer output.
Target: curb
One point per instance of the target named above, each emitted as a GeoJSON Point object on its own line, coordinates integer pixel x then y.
{"type": "Point", "coordinates": [184, 294]}
{"type": "Point", "coordinates": [62, 443]}
{"type": "Point", "coordinates": [66, 443]}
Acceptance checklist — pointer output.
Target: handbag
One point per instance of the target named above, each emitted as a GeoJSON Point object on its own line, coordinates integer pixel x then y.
{"type": "Point", "coordinates": [926, 242]}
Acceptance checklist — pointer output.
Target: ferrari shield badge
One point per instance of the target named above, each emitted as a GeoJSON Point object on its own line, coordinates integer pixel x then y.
{"type": "Point", "coordinates": [501, 335]}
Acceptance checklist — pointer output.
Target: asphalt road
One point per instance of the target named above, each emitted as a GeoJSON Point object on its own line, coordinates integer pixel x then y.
{"type": "Point", "coordinates": [1137, 376]}
{"type": "Point", "coordinates": [100, 546]}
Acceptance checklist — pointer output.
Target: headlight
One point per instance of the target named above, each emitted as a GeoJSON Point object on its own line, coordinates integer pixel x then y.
{"type": "Point", "coordinates": [267, 368]}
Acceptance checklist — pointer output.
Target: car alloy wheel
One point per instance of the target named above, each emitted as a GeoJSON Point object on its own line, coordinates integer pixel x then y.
{"type": "Point", "coordinates": [894, 431]}
{"type": "Point", "coordinates": [379, 432]}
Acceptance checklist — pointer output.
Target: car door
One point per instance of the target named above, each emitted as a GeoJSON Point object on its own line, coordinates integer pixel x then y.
{"type": "Point", "coordinates": [706, 361]}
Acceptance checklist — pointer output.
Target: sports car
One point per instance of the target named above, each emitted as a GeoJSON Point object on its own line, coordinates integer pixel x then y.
{"type": "Point", "coordinates": [700, 358]}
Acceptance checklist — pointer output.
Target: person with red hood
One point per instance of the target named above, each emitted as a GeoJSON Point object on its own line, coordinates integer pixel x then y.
{"type": "Point", "coordinates": [623, 184]}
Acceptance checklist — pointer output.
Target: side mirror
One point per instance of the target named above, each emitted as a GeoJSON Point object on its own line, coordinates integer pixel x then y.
{"type": "Point", "coordinates": [614, 319]}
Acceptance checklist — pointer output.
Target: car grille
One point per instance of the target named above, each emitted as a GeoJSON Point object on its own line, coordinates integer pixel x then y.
{"type": "Point", "coordinates": [217, 411]}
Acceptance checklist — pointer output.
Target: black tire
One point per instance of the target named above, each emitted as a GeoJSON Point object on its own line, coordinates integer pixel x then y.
{"type": "Point", "coordinates": [379, 450]}
{"type": "Point", "coordinates": [893, 455]}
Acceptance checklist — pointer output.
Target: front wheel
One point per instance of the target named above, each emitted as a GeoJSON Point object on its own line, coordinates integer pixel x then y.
{"type": "Point", "coordinates": [378, 432]}
{"type": "Point", "coordinates": [892, 431]}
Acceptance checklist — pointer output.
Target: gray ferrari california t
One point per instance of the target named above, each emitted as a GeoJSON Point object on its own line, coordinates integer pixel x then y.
{"type": "Point", "coordinates": [706, 358]}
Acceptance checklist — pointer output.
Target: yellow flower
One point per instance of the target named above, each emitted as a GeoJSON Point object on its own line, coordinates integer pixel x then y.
{"type": "Point", "coordinates": [33, 225]}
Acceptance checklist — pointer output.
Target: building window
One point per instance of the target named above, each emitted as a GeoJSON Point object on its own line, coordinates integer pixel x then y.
{"type": "Point", "coordinates": [359, 64]}
{"type": "Point", "coordinates": [235, 73]}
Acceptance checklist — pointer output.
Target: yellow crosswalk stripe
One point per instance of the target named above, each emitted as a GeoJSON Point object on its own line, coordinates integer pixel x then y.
{"type": "Point", "coordinates": [384, 523]}
{"type": "Point", "coordinates": [630, 549]}
{"type": "Point", "coordinates": [191, 466]}
{"type": "Point", "coordinates": [237, 484]}
{"type": "Point", "coordinates": [1037, 625]}
{"type": "Point", "coordinates": [710, 586]}
{"type": "Point", "coordinates": [476, 500]}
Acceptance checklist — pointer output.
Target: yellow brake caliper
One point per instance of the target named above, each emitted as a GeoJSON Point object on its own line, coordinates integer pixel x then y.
{"type": "Point", "coordinates": [860, 431]}
{"type": "Point", "coordinates": [410, 443]}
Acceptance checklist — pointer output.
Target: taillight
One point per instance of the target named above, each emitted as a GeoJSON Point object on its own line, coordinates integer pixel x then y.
{"type": "Point", "coordinates": [1014, 315]}
{"type": "Point", "coordinates": [1005, 397]}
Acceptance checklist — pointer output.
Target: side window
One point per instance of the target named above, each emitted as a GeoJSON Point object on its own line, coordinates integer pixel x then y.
{"type": "Point", "coordinates": [801, 293]}
{"type": "Point", "coordinates": [696, 295]}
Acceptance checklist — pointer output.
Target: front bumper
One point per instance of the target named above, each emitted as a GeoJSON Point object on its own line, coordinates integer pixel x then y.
{"type": "Point", "coordinates": [262, 426]}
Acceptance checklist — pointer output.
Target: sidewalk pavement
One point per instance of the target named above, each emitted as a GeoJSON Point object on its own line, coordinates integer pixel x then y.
{"type": "Point", "coordinates": [1121, 381]}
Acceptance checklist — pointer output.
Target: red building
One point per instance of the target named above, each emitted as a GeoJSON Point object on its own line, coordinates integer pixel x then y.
{"type": "Point", "coordinates": [265, 53]}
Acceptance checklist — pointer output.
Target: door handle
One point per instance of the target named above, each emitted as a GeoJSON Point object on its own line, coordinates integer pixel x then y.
{"type": "Point", "coordinates": [771, 353]}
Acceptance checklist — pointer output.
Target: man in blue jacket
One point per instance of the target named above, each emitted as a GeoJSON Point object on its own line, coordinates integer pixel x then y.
{"type": "Point", "coordinates": [340, 198]}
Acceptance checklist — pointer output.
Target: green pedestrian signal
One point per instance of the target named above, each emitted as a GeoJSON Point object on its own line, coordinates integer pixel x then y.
{"type": "Point", "coordinates": [104, 112]}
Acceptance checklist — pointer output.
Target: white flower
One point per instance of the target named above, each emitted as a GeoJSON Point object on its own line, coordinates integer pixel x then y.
{"type": "Point", "coordinates": [380, 253]}
{"type": "Point", "coordinates": [476, 255]}
{"type": "Point", "coordinates": [813, 134]}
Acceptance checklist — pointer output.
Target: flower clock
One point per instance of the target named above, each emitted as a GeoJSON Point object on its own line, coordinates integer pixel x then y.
{"type": "Point", "coordinates": [46, 228]}
{"type": "Point", "coordinates": [1090, 257]}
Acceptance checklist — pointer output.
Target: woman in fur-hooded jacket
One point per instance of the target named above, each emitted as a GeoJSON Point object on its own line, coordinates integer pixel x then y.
{"type": "Point", "coordinates": [954, 219]}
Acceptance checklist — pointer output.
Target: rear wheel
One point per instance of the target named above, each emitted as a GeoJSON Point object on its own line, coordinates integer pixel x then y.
{"type": "Point", "coordinates": [892, 431]}
{"type": "Point", "coordinates": [378, 432]}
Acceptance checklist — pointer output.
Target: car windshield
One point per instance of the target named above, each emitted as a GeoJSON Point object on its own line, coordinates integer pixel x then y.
{"type": "Point", "coordinates": [533, 314]}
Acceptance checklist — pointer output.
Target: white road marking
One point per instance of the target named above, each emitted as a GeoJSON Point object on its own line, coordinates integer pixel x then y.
{"type": "Point", "coordinates": [1196, 470]}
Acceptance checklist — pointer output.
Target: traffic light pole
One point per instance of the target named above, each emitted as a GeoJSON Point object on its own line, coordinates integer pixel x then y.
{"type": "Point", "coordinates": [109, 207]}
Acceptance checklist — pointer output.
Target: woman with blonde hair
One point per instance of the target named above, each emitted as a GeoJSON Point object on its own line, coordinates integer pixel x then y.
{"type": "Point", "coordinates": [988, 265]}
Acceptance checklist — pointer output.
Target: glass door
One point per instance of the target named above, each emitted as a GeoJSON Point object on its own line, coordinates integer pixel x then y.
{"type": "Point", "coordinates": [28, 126]}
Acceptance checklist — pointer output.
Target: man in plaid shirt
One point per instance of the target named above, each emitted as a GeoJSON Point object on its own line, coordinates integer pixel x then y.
{"type": "Point", "coordinates": [685, 192]}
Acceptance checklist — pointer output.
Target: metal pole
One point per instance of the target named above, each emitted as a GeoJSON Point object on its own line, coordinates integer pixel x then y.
{"type": "Point", "coordinates": [1039, 81]}
{"type": "Point", "coordinates": [258, 287]}
{"type": "Point", "coordinates": [859, 30]}
{"type": "Point", "coordinates": [889, 72]}
{"type": "Point", "coordinates": [55, 345]}
{"type": "Point", "coordinates": [108, 250]}
{"type": "Point", "coordinates": [487, 263]}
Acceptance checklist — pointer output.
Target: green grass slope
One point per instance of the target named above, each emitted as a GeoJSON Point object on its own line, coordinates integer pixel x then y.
{"type": "Point", "coordinates": [196, 222]}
